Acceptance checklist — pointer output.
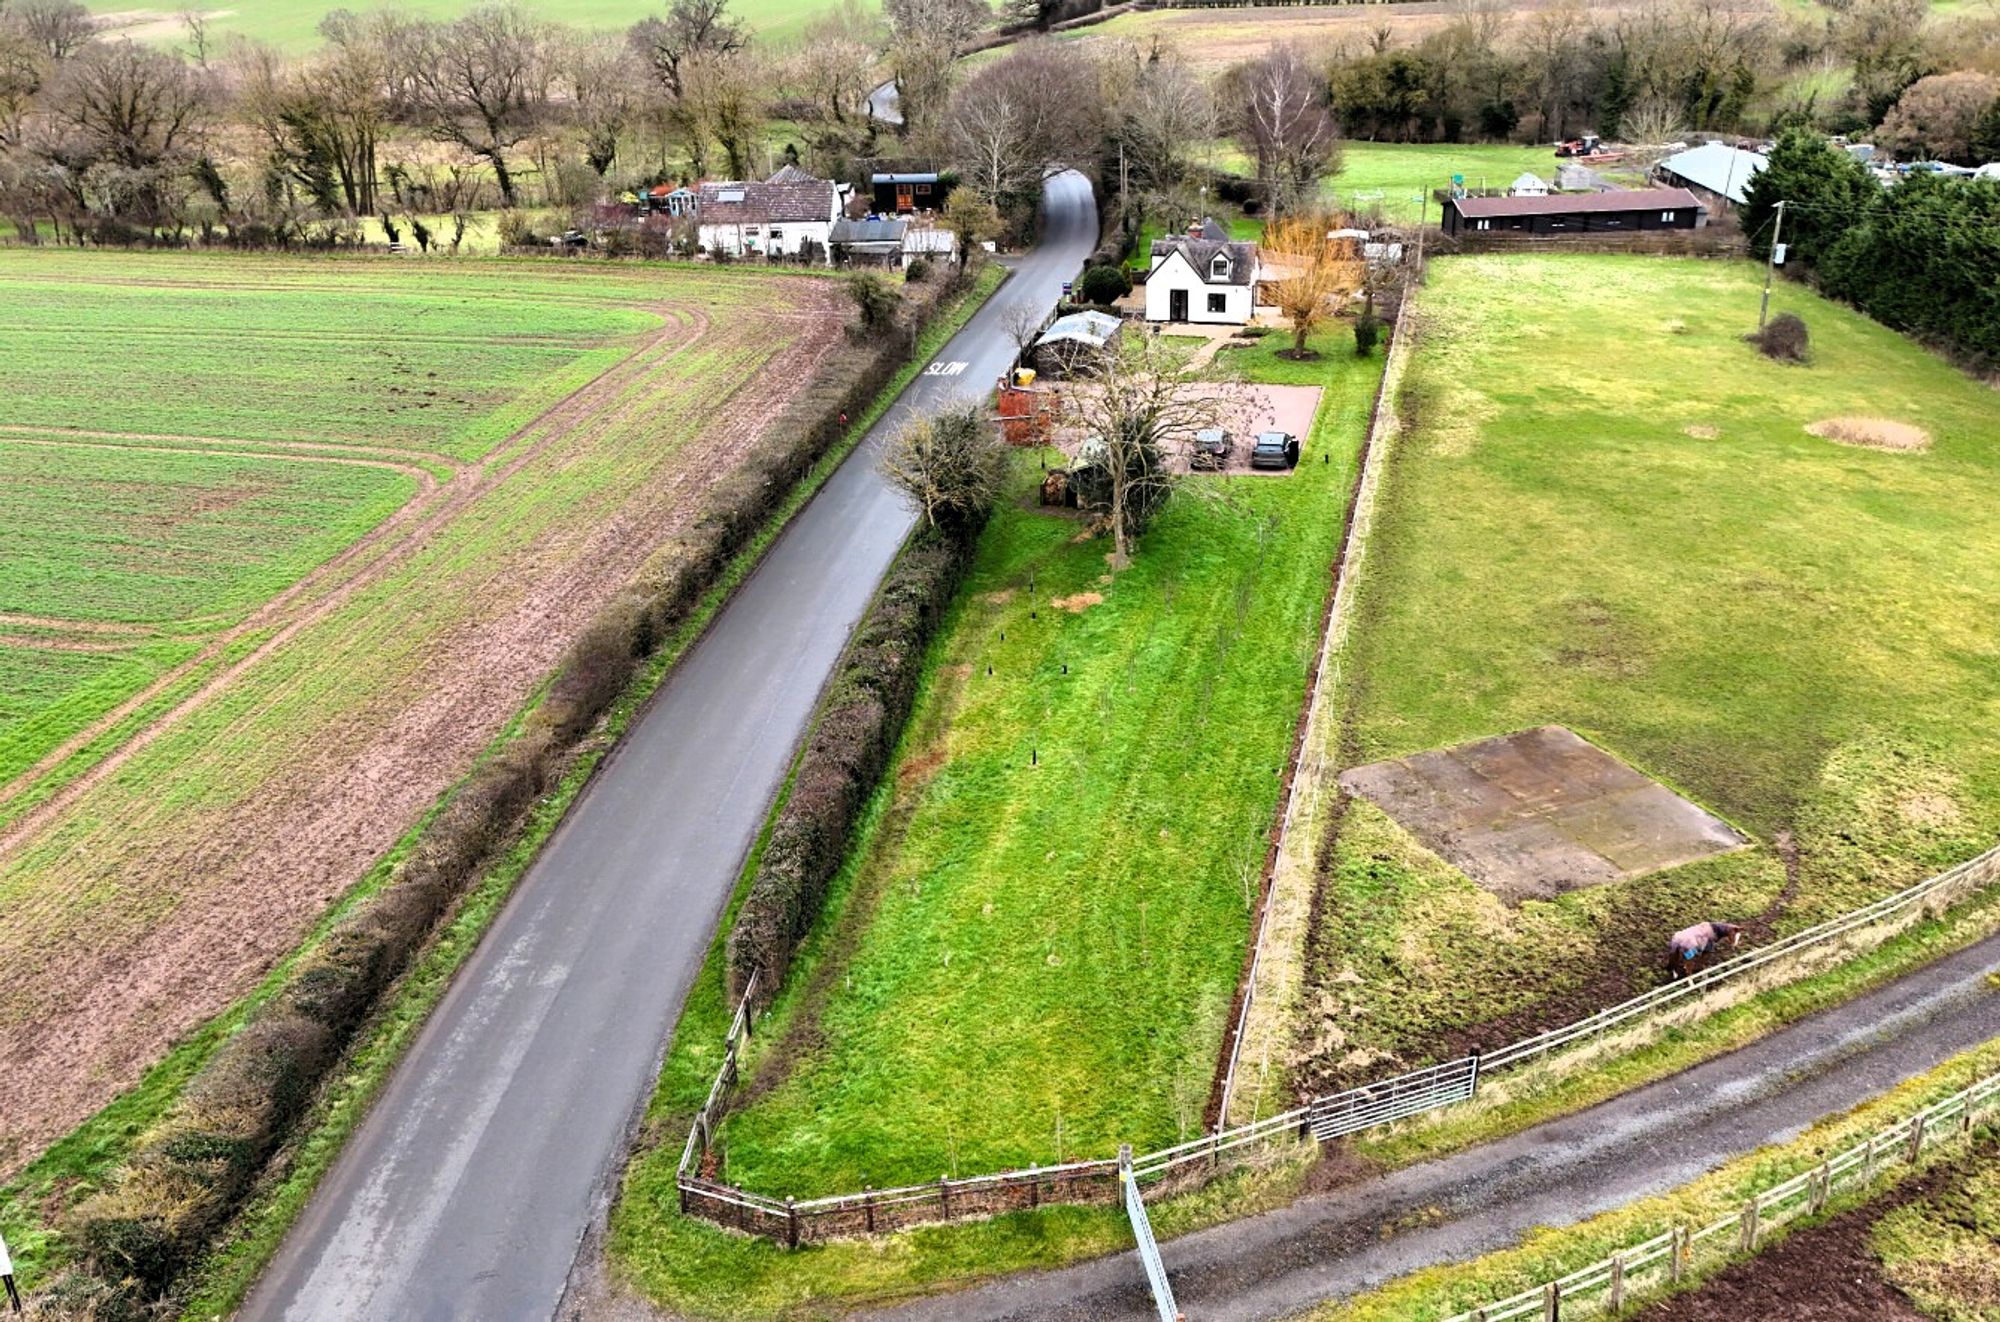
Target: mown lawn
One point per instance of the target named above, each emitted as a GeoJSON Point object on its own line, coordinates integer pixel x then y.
{"type": "Point", "coordinates": [1608, 515]}
{"type": "Point", "coordinates": [1397, 177]}
{"type": "Point", "coordinates": [1033, 948]}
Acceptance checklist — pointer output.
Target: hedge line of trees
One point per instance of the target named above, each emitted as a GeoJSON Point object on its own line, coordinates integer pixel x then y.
{"type": "Point", "coordinates": [187, 1177]}
{"type": "Point", "coordinates": [1922, 256]}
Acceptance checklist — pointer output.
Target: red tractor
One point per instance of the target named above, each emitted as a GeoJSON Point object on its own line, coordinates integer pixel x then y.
{"type": "Point", "coordinates": [1587, 145]}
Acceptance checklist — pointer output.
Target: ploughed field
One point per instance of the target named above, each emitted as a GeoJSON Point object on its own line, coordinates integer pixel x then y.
{"type": "Point", "coordinates": [283, 544]}
{"type": "Point", "coordinates": [1607, 512]}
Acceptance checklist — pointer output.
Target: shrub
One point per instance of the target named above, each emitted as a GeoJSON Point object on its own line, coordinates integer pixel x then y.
{"type": "Point", "coordinates": [875, 298]}
{"type": "Point", "coordinates": [1783, 338]}
{"type": "Point", "coordinates": [1103, 285]}
{"type": "Point", "coordinates": [1367, 334]}
{"type": "Point", "coordinates": [856, 729]}
{"type": "Point", "coordinates": [918, 271]}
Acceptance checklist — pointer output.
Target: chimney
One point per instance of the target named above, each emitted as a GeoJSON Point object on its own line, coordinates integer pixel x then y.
{"type": "Point", "coordinates": [1194, 229]}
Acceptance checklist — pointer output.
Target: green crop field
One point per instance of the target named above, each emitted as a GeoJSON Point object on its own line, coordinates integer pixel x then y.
{"type": "Point", "coordinates": [282, 544]}
{"type": "Point", "coordinates": [295, 27]}
{"type": "Point", "coordinates": [1609, 515]}
{"type": "Point", "coordinates": [1032, 951]}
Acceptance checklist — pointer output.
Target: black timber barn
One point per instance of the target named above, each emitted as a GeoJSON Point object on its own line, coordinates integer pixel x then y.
{"type": "Point", "coordinates": [1575, 213]}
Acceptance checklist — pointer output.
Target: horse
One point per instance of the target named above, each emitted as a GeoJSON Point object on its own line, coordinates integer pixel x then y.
{"type": "Point", "coordinates": [1691, 943]}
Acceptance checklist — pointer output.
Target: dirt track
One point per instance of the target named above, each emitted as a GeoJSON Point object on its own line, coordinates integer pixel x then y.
{"type": "Point", "coordinates": [166, 906]}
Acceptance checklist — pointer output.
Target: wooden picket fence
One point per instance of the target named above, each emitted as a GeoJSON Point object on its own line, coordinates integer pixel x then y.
{"type": "Point", "coordinates": [1681, 1253]}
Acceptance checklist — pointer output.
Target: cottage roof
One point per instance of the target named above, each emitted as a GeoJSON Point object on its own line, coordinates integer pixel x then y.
{"type": "Point", "coordinates": [1201, 254]}
{"type": "Point", "coordinates": [1716, 166]}
{"type": "Point", "coordinates": [768, 203]}
{"type": "Point", "coordinates": [1529, 184]}
{"type": "Point", "coordinates": [792, 174]}
{"type": "Point", "coordinates": [1566, 204]}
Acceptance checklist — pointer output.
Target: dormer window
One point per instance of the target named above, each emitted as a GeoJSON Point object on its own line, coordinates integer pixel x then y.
{"type": "Point", "coordinates": [1219, 268]}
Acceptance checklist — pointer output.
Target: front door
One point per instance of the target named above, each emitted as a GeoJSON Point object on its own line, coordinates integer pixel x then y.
{"type": "Point", "coordinates": [906, 197]}
{"type": "Point", "coordinates": [1177, 305]}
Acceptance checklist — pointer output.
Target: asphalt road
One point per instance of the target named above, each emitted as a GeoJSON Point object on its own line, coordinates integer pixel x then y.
{"type": "Point", "coordinates": [1486, 1198]}
{"type": "Point", "coordinates": [466, 1191]}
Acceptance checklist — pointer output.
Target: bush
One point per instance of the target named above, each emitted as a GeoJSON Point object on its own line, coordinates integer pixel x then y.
{"type": "Point", "coordinates": [875, 298]}
{"type": "Point", "coordinates": [918, 271]}
{"type": "Point", "coordinates": [1103, 285]}
{"type": "Point", "coordinates": [1784, 338]}
{"type": "Point", "coordinates": [1367, 334]}
{"type": "Point", "coordinates": [855, 730]}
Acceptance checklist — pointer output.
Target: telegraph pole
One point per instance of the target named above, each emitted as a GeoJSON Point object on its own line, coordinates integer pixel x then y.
{"type": "Point", "coordinates": [1771, 263]}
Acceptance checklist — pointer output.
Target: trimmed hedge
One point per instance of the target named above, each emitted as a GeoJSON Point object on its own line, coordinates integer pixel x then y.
{"type": "Point", "coordinates": [856, 729]}
{"type": "Point", "coordinates": [184, 1180]}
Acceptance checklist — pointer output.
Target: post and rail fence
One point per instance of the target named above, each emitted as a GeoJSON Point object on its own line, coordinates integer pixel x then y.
{"type": "Point", "coordinates": [1604, 1287]}
{"type": "Point", "coordinates": [1433, 1087]}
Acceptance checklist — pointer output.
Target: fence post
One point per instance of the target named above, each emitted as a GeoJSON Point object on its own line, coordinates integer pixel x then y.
{"type": "Point", "coordinates": [1868, 1164]}
{"type": "Point", "coordinates": [1472, 1085]}
{"type": "Point", "coordinates": [1034, 1186]}
{"type": "Point", "coordinates": [1552, 1302]}
{"type": "Point", "coordinates": [868, 1206]}
{"type": "Point", "coordinates": [1749, 1238]}
{"type": "Point", "coordinates": [1822, 1187]}
{"type": "Point", "coordinates": [1617, 1281]}
{"type": "Point", "coordinates": [680, 1186]}
{"type": "Point", "coordinates": [1917, 1137]}
{"type": "Point", "coordinates": [791, 1222]}
{"type": "Point", "coordinates": [944, 1197]}
{"type": "Point", "coordinates": [1215, 1140]}
{"type": "Point", "coordinates": [1677, 1253]}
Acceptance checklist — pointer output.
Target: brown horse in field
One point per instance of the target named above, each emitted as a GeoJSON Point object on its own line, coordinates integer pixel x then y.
{"type": "Point", "coordinates": [1687, 946]}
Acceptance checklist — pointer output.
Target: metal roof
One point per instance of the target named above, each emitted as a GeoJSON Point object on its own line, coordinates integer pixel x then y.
{"type": "Point", "coordinates": [903, 179]}
{"type": "Point", "coordinates": [1092, 328]}
{"type": "Point", "coordinates": [1720, 168]}
{"type": "Point", "coordinates": [869, 231]}
{"type": "Point", "coordinates": [1566, 204]}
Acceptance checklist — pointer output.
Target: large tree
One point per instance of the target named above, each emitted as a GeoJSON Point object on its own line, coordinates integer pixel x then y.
{"type": "Point", "coordinates": [481, 82]}
{"type": "Point", "coordinates": [1825, 191]}
{"type": "Point", "coordinates": [60, 27]}
{"type": "Point", "coordinates": [951, 466]}
{"type": "Point", "coordinates": [1019, 117]}
{"type": "Point", "coordinates": [1938, 117]}
{"type": "Point", "coordinates": [1285, 126]}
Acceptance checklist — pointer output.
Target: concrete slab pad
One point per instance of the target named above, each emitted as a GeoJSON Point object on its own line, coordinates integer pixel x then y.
{"type": "Point", "coordinates": [1536, 813]}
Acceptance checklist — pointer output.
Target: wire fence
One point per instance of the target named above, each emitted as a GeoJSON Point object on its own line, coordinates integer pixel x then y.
{"type": "Point", "coordinates": [1433, 1087]}
{"type": "Point", "coordinates": [1681, 1253]}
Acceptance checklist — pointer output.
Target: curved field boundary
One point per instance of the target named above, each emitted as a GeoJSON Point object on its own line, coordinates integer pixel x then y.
{"type": "Point", "coordinates": [317, 594]}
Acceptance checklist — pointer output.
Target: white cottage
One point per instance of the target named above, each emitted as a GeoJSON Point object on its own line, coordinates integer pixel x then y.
{"type": "Point", "coordinates": [1202, 280]}
{"type": "Point", "coordinates": [1529, 184]}
{"type": "Point", "coordinates": [793, 219]}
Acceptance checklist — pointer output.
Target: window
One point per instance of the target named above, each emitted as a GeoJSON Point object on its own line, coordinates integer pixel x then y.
{"type": "Point", "coordinates": [777, 238]}
{"type": "Point", "coordinates": [1482, 224]}
{"type": "Point", "coordinates": [1218, 303]}
{"type": "Point", "coordinates": [1219, 268]}
{"type": "Point", "coordinates": [1668, 215]}
{"type": "Point", "coordinates": [923, 190]}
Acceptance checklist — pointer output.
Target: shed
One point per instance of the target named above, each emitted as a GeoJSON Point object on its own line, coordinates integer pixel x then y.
{"type": "Point", "coordinates": [1529, 184]}
{"type": "Point", "coordinates": [1716, 170]}
{"type": "Point", "coordinates": [1580, 213]}
{"type": "Point", "coordinates": [1092, 330]}
{"type": "Point", "coordinates": [877, 241]}
{"type": "Point", "coordinates": [901, 191]}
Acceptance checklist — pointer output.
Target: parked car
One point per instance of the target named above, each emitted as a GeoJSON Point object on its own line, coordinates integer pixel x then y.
{"type": "Point", "coordinates": [1275, 449]}
{"type": "Point", "coordinates": [1211, 449]}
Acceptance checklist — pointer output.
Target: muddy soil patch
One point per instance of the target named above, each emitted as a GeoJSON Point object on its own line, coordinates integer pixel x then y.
{"type": "Point", "coordinates": [1871, 434]}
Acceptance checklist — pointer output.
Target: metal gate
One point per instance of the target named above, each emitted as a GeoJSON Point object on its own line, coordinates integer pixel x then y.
{"type": "Point", "coordinates": [1142, 1231]}
{"type": "Point", "coordinates": [1392, 1099]}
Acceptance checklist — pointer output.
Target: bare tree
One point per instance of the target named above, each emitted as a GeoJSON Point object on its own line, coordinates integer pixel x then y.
{"type": "Point", "coordinates": [1315, 271]}
{"type": "Point", "coordinates": [1139, 415]}
{"type": "Point", "coordinates": [1020, 116]}
{"type": "Point", "coordinates": [22, 68]}
{"type": "Point", "coordinates": [60, 27]}
{"type": "Point", "coordinates": [598, 74]}
{"type": "Point", "coordinates": [1938, 115]}
{"type": "Point", "coordinates": [952, 466]}
{"type": "Point", "coordinates": [1285, 126]}
{"type": "Point", "coordinates": [926, 39]}
{"type": "Point", "coordinates": [692, 31]}
{"type": "Point", "coordinates": [480, 84]}
{"type": "Point", "coordinates": [1163, 115]}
